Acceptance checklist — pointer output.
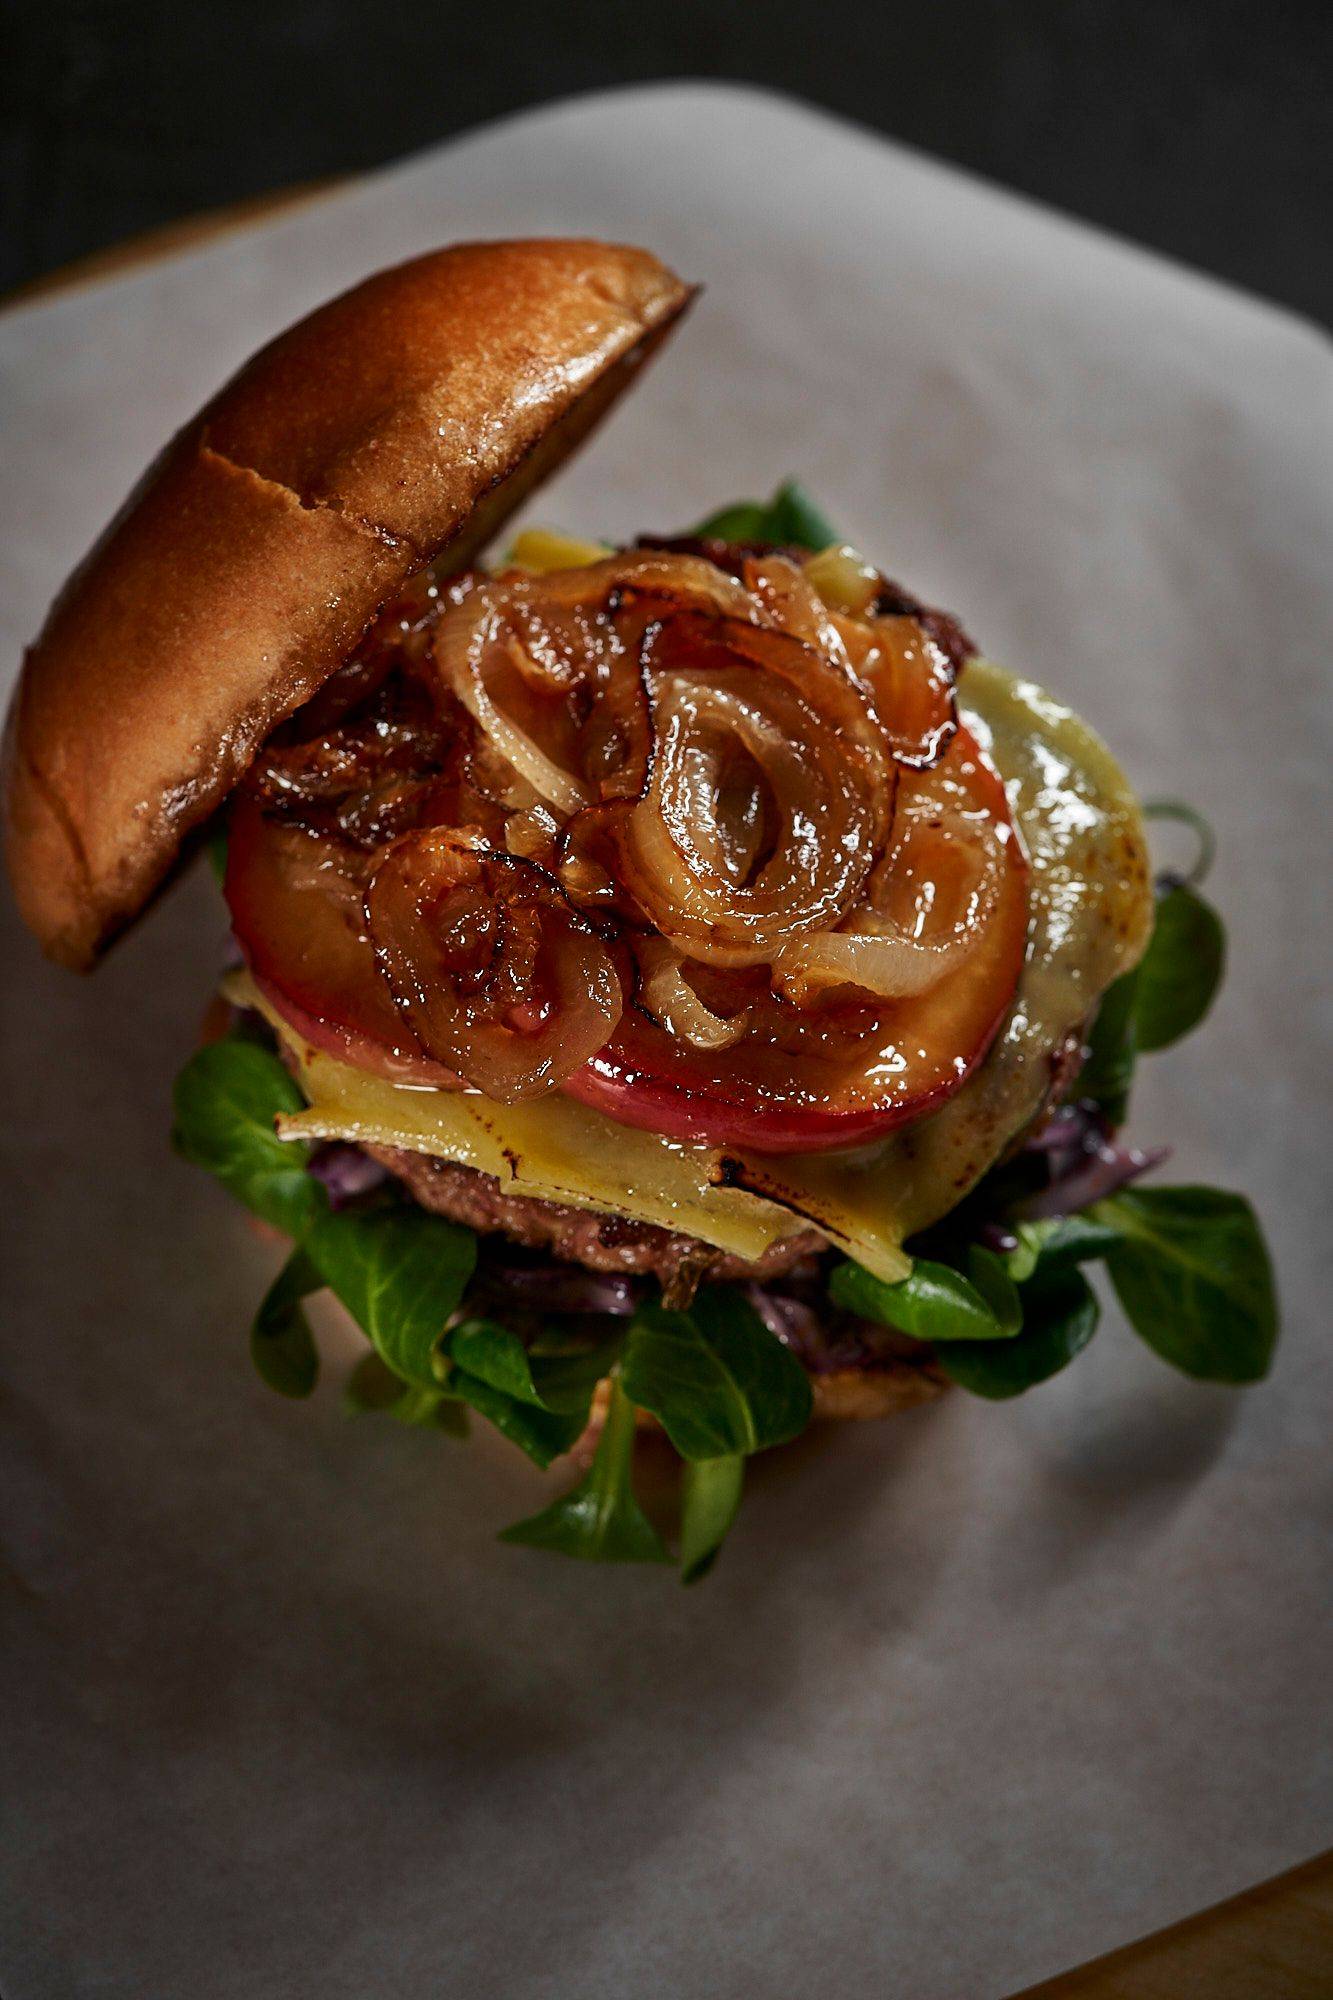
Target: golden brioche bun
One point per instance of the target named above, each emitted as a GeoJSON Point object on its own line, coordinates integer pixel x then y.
{"type": "Point", "coordinates": [409, 416]}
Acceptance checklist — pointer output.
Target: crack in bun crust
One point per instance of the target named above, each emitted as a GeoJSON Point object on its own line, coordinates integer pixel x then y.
{"type": "Point", "coordinates": [408, 416]}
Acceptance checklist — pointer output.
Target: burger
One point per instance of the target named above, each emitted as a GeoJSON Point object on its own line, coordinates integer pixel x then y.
{"type": "Point", "coordinates": [680, 985]}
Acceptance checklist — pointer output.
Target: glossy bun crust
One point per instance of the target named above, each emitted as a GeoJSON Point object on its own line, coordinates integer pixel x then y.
{"type": "Point", "coordinates": [409, 416]}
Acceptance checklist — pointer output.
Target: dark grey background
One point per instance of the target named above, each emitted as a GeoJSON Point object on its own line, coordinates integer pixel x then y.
{"type": "Point", "coordinates": [1198, 126]}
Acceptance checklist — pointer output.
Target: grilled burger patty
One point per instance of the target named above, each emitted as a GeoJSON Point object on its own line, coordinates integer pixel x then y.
{"type": "Point", "coordinates": [582, 1236]}
{"type": "Point", "coordinates": [856, 1371]}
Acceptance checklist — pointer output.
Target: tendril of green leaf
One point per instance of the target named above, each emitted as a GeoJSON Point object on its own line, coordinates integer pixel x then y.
{"type": "Point", "coordinates": [1184, 814]}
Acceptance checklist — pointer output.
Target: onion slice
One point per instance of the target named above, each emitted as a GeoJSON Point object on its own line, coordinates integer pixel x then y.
{"type": "Point", "coordinates": [492, 970]}
{"type": "Point", "coordinates": [667, 995]}
{"type": "Point", "coordinates": [548, 668]}
{"type": "Point", "coordinates": [911, 683]}
{"type": "Point", "coordinates": [891, 965]}
{"type": "Point", "coordinates": [769, 794]}
{"type": "Point", "coordinates": [843, 578]}
{"type": "Point", "coordinates": [463, 642]}
{"type": "Point", "coordinates": [925, 910]}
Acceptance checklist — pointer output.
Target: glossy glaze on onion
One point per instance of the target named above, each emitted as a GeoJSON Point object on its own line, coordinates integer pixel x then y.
{"type": "Point", "coordinates": [701, 842]}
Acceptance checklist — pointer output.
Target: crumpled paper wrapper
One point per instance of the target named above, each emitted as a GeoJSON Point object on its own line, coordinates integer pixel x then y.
{"type": "Point", "coordinates": [972, 1695]}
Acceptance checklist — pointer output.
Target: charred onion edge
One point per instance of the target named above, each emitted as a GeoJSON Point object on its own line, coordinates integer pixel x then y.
{"type": "Point", "coordinates": [484, 854]}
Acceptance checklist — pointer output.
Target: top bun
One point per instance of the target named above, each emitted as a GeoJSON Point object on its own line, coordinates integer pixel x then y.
{"type": "Point", "coordinates": [410, 416]}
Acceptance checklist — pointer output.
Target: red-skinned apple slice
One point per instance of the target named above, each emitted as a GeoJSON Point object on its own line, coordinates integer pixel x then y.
{"type": "Point", "coordinates": [296, 907]}
{"type": "Point", "coordinates": [831, 1076]}
{"type": "Point", "coordinates": [848, 1072]}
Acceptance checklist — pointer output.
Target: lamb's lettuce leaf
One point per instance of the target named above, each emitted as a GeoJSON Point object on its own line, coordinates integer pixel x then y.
{"type": "Point", "coordinates": [401, 1273]}
{"type": "Point", "coordinates": [282, 1346]}
{"type": "Point", "coordinates": [544, 1435]}
{"type": "Point", "coordinates": [548, 1374]}
{"type": "Point", "coordinates": [1181, 970]}
{"type": "Point", "coordinates": [1194, 1276]}
{"type": "Point", "coordinates": [599, 1519]}
{"type": "Point", "coordinates": [790, 518]}
{"type": "Point", "coordinates": [225, 1102]}
{"type": "Point", "coordinates": [934, 1302]}
{"type": "Point", "coordinates": [1059, 1319]}
{"type": "Point", "coordinates": [719, 1383]}
{"type": "Point", "coordinates": [540, 1400]}
{"type": "Point", "coordinates": [1064, 1239]}
{"type": "Point", "coordinates": [710, 1498]}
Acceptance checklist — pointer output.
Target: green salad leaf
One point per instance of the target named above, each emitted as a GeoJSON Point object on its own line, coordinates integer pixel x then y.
{"type": "Point", "coordinates": [282, 1346]}
{"type": "Point", "coordinates": [215, 846]}
{"type": "Point", "coordinates": [993, 1282]}
{"type": "Point", "coordinates": [543, 1434]}
{"type": "Point", "coordinates": [551, 1374]}
{"type": "Point", "coordinates": [1059, 1319]}
{"type": "Point", "coordinates": [1064, 1239]}
{"type": "Point", "coordinates": [1181, 970]}
{"type": "Point", "coordinates": [743, 521]}
{"type": "Point", "coordinates": [716, 1379]}
{"type": "Point", "coordinates": [1194, 1276]}
{"type": "Point", "coordinates": [790, 518]}
{"type": "Point", "coordinates": [1170, 990]}
{"type": "Point", "coordinates": [495, 1356]}
{"type": "Point", "coordinates": [401, 1273]}
{"type": "Point", "coordinates": [540, 1400]}
{"type": "Point", "coordinates": [599, 1520]}
{"type": "Point", "coordinates": [566, 1377]}
{"type": "Point", "coordinates": [1108, 1070]}
{"type": "Point", "coordinates": [372, 1388]}
{"type": "Point", "coordinates": [225, 1101]}
{"type": "Point", "coordinates": [934, 1302]}
{"type": "Point", "coordinates": [710, 1499]}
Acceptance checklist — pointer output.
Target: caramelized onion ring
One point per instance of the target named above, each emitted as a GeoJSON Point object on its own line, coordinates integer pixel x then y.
{"type": "Point", "coordinates": [493, 971]}
{"type": "Point", "coordinates": [769, 795]}
{"type": "Point", "coordinates": [890, 960]}
{"type": "Point", "coordinates": [925, 910]}
{"type": "Point", "coordinates": [667, 995]}
{"type": "Point", "coordinates": [911, 683]}
{"type": "Point", "coordinates": [470, 639]}
{"type": "Point", "coordinates": [548, 667]}
{"type": "Point", "coordinates": [683, 580]}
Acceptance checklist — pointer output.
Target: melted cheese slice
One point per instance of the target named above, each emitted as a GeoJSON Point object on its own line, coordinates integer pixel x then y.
{"type": "Point", "coordinates": [550, 1147]}
{"type": "Point", "coordinates": [1090, 919]}
{"type": "Point", "coordinates": [1091, 911]}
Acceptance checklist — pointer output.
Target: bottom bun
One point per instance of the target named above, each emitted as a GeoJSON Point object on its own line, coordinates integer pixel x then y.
{"type": "Point", "coordinates": [850, 1394]}
{"type": "Point", "coordinates": [880, 1391]}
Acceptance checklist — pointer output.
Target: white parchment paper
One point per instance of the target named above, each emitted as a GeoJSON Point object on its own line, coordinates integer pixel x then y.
{"type": "Point", "coordinates": [973, 1695]}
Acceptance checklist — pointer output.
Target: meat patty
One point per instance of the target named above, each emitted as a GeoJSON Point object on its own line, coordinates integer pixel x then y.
{"type": "Point", "coordinates": [581, 1236]}
{"type": "Point", "coordinates": [893, 1374]}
